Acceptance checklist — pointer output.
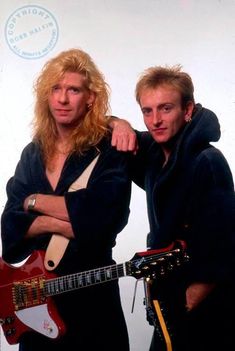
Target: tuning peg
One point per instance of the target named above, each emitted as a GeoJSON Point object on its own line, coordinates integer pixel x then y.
{"type": "Point", "coordinates": [170, 266]}
{"type": "Point", "coordinates": [177, 261]}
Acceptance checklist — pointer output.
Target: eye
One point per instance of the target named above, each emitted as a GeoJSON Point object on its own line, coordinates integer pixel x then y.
{"type": "Point", "coordinates": [146, 111]}
{"type": "Point", "coordinates": [74, 90]}
{"type": "Point", "coordinates": [55, 88]}
{"type": "Point", "coordinates": [167, 108]}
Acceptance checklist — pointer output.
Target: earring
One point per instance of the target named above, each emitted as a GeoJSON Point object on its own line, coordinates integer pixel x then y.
{"type": "Point", "coordinates": [188, 119]}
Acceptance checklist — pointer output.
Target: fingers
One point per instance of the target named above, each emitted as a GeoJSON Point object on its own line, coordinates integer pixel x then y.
{"type": "Point", "coordinates": [123, 136]}
{"type": "Point", "coordinates": [133, 144]}
{"type": "Point", "coordinates": [196, 293]}
{"type": "Point", "coordinates": [125, 141]}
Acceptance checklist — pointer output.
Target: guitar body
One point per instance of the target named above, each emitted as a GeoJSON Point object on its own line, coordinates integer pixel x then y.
{"type": "Point", "coordinates": [20, 313]}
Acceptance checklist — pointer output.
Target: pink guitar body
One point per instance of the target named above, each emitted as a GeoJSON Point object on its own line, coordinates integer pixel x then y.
{"type": "Point", "coordinates": [24, 310]}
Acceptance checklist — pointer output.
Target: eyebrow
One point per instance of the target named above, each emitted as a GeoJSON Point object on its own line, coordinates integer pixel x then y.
{"type": "Point", "coordinates": [158, 107]}
{"type": "Point", "coordinates": [69, 86]}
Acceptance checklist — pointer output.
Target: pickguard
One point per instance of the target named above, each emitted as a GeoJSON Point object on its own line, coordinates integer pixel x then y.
{"type": "Point", "coordinates": [38, 319]}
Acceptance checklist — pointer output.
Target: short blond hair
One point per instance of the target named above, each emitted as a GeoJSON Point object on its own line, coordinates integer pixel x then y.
{"type": "Point", "coordinates": [156, 76]}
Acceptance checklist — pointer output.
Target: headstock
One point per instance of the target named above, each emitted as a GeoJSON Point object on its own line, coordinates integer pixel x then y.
{"type": "Point", "coordinates": [154, 263]}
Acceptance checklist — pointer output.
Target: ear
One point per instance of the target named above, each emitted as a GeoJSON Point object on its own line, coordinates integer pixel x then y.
{"type": "Point", "coordinates": [189, 111]}
{"type": "Point", "coordinates": [91, 98]}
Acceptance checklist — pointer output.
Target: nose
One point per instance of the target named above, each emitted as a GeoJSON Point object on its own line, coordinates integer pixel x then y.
{"type": "Point", "coordinates": [157, 118]}
{"type": "Point", "coordinates": [63, 96]}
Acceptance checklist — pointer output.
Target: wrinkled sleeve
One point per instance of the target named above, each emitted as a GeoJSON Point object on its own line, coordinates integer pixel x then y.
{"type": "Point", "coordinates": [100, 211]}
{"type": "Point", "coordinates": [139, 162]}
{"type": "Point", "coordinates": [14, 220]}
{"type": "Point", "coordinates": [213, 240]}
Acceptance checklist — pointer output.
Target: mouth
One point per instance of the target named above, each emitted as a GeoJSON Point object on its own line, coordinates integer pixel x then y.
{"type": "Point", "coordinates": [158, 130]}
{"type": "Point", "coordinates": [62, 111]}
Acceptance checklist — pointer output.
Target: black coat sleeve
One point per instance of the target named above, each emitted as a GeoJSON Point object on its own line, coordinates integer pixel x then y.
{"type": "Point", "coordinates": [213, 219]}
{"type": "Point", "coordinates": [14, 220]}
{"type": "Point", "coordinates": [140, 161]}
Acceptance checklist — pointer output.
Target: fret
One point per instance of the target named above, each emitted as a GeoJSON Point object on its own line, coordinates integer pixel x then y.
{"type": "Point", "coordinates": [52, 288]}
{"type": "Point", "coordinates": [69, 281]}
{"type": "Point", "coordinates": [88, 278]}
{"type": "Point", "coordinates": [108, 273]}
{"type": "Point", "coordinates": [97, 276]}
{"type": "Point", "coordinates": [115, 273]}
{"type": "Point", "coordinates": [80, 280]}
{"type": "Point", "coordinates": [93, 277]}
{"type": "Point", "coordinates": [61, 284]}
{"type": "Point", "coordinates": [56, 286]}
{"type": "Point", "coordinates": [121, 270]}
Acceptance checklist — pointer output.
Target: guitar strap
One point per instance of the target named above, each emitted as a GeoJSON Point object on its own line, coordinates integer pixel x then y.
{"type": "Point", "coordinates": [58, 243]}
{"type": "Point", "coordinates": [154, 311]}
{"type": "Point", "coordinates": [163, 326]}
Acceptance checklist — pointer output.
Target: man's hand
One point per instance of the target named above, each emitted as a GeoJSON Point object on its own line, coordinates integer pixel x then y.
{"type": "Point", "coordinates": [196, 293]}
{"type": "Point", "coordinates": [123, 136]}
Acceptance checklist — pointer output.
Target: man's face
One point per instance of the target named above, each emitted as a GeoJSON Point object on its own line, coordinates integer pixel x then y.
{"type": "Point", "coordinates": [163, 113]}
{"type": "Point", "coordinates": [69, 99]}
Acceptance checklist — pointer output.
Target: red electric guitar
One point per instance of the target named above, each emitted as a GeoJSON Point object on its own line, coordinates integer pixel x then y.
{"type": "Point", "coordinates": [26, 292]}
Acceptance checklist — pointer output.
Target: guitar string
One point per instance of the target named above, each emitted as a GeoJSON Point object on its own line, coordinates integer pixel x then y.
{"type": "Point", "coordinates": [84, 277]}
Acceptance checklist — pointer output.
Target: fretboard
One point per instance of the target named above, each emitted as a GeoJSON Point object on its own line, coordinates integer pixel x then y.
{"type": "Point", "coordinates": [80, 280]}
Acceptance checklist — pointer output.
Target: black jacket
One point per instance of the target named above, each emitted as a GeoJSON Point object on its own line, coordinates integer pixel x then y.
{"type": "Point", "coordinates": [192, 197]}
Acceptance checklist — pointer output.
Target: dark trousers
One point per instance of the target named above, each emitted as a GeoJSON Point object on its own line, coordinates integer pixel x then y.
{"type": "Point", "coordinates": [210, 327]}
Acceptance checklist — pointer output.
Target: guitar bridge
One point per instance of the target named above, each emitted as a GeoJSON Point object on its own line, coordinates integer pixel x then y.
{"type": "Point", "coordinates": [28, 293]}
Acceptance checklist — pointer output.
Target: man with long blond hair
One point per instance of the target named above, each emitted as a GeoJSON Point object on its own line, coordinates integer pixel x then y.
{"type": "Point", "coordinates": [70, 130]}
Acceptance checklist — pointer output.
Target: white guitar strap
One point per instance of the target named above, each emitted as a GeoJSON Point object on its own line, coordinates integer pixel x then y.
{"type": "Point", "coordinates": [59, 243]}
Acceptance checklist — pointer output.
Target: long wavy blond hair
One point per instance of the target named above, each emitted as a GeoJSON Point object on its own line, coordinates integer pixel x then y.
{"type": "Point", "coordinates": [93, 126]}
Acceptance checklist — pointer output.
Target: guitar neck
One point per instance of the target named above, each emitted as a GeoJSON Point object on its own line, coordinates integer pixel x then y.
{"type": "Point", "coordinates": [84, 279]}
